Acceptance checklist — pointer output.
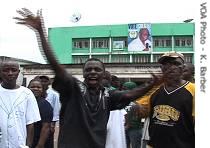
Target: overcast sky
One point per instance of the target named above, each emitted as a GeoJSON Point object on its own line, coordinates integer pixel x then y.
{"type": "Point", "coordinates": [19, 41]}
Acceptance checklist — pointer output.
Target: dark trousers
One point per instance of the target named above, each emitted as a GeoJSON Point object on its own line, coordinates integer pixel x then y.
{"type": "Point", "coordinates": [133, 137]}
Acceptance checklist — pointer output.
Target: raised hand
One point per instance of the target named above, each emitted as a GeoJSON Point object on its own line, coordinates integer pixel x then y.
{"type": "Point", "coordinates": [36, 23]}
{"type": "Point", "coordinates": [29, 19]}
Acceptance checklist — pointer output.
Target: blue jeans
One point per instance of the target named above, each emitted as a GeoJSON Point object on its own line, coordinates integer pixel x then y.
{"type": "Point", "coordinates": [133, 136]}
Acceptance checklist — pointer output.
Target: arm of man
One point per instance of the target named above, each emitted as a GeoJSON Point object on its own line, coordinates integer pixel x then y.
{"type": "Point", "coordinates": [32, 116]}
{"type": "Point", "coordinates": [30, 134]}
{"type": "Point", "coordinates": [121, 99]}
{"type": "Point", "coordinates": [52, 126]}
{"type": "Point", "coordinates": [143, 107]}
{"type": "Point", "coordinates": [36, 24]}
{"type": "Point", "coordinates": [43, 135]}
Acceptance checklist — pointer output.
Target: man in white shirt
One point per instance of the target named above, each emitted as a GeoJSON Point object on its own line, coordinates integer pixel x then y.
{"type": "Point", "coordinates": [18, 109]}
{"type": "Point", "coordinates": [116, 130]}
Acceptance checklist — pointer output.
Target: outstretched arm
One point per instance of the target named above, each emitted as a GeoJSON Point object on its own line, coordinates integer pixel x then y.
{"type": "Point", "coordinates": [136, 93]}
{"type": "Point", "coordinates": [36, 23]}
{"type": "Point", "coordinates": [140, 91]}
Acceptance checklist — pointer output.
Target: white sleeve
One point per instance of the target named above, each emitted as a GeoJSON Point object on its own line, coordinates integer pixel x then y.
{"type": "Point", "coordinates": [32, 110]}
{"type": "Point", "coordinates": [56, 107]}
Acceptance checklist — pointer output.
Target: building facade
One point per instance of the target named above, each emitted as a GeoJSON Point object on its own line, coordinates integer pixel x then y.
{"type": "Point", "coordinates": [110, 43]}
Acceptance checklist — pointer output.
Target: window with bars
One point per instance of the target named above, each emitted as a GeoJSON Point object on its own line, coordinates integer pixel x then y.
{"type": "Point", "coordinates": [120, 59]}
{"type": "Point", "coordinates": [188, 58]}
{"type": "Point", "coordinates": [81, 43]}
{"type": "Point", "coordinates": [141, 58]}
{"type": "Point", "coordinates": [162, 42]}
{"type": "Point", "coordinates": [184, 41]}
{"type": "Point", "coordinates": [156, 57]}
{"type": "Point", "coordinates": [79, 59]}
{"type": "Point", "coordinates": [103, 58]}
{"type": "Point", "coordinates": [156, 43]}
{"type": "Point", "coordinates": [100, 43]}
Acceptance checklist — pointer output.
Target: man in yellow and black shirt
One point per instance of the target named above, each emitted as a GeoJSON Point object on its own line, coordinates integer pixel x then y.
{"type": "Point", "coordinates": [171, 107]}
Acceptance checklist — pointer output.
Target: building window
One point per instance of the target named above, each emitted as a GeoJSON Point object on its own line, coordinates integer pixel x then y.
{"type": "Point", "coordinates": [188, 58]}
{"type": "Point", "coordinates": [156, 57]}
{"type": "Point", "coordinates": [119, 43]}
{"type": "Point", "coordinates": [81, 43]}
{"type": "Point", "coordinates": [100, 43]}
{"type": "Point", "coordinates": [120, 58]}
{"type": "Point", "coordinates": [103, 58]}
{"type": "Point", "coordinates": [189, 42]}
{"type": "Point", "coordinates": [141, 58]}
{"type": "Point", "coordinates": [168, 43]}
{"type": "Point", "coordinates": [79, 59]}
{"type": "Point", "coordinates": [162, 41]}
{"type": "Point", "coordinates": [184, 41]}
{"type": "Point", "coordinates": [156, 43]}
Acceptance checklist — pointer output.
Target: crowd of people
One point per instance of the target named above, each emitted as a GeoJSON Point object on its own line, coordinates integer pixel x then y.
{"type": "Point", "coordinates": [99, 112]}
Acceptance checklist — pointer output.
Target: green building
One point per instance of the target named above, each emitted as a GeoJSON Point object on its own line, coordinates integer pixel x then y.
{"type": "Point", "coordinates": [73, 45]}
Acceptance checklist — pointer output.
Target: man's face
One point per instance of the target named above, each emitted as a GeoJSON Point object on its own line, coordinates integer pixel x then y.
{"type": "Point", "coordinates": [37, 88]}
{"type": "Point", "coordinates": [93, 73]}
{"type": "Point", "coordinates": [172, 70]}
{"type": "Point", "coordinates": [45, 83]}
{"type": "Point", "coordinates": [9, 73]}
{"type": "Point", "coordinates": [188, 71]}
{"type": "Point", "coordinates": [144, 35]}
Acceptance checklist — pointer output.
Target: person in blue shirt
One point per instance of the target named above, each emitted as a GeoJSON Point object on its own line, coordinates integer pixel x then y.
{"type": "Point", "coordinates": [42, 127]}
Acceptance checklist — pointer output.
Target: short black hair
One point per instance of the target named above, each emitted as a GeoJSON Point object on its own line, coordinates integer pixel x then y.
{"type": "Point", "coordinates": [44, 77]}
{"type": "Point", "coordinates": [35, 79]}
{"type": "Point", "coordinates": [8, 60]}
{"type": "Point", "coordinates": [94, 59]}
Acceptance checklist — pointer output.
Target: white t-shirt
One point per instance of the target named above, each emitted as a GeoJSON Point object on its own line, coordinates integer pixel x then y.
{"type": "Point", "coordinates": [18, 108]}
{"type": "Point", "coordinates": [137, 45]}
{"type": "Point", "coordinates": [53, 99]}
{"type": "Point", "coordinates": [116, 130]}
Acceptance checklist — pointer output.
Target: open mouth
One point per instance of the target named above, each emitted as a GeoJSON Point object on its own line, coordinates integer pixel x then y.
{"type": "Point", "coordinates": [92, 80]}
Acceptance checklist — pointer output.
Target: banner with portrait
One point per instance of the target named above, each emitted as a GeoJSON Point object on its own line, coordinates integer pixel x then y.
{"type": "Point", "coordinates": [139, 37]}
